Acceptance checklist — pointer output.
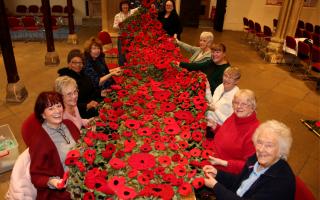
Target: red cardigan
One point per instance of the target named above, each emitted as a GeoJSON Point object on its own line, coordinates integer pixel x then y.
{"type": "Point", "coordinates": [45, 160]}
{"type": "Point", "coordinates": [233, 141]}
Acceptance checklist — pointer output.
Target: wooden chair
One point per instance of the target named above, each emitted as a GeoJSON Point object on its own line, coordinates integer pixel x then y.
{"type": "Point", "coordinates": [317, 29]}
{"type": "Point", "coordinates": [33, 9]}
{"type": "Point", "coordinates": [302, 191]}
{"type": "Point", "coordinates": [316, 39]}
{"type": "Point", "coordinates": [309, 27]}
{"type": "Point", "coordinates": [21, 9]}
{"type": "Point", "coordinates": [290, 49]}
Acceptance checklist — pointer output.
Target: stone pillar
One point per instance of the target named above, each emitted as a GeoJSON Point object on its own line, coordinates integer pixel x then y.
{"type": "Point", "coordinates": [287, 24]}
{"type": "Point", "coordinates": [51, 58]}
{"type": "Point", "coordinates": [16, 91]}
{"type": "Point", "coordinates": [178, 4]}
{"type": "Point", "coordinates": [72, 37]}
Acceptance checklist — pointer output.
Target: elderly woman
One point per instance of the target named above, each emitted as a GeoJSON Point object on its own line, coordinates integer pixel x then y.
{"type": "Point", "coordinates": [220, 103]}
{"type": "Point", "coordinates": [232, 144]}
{"type": "Point", "coordinates": [49, 138]}
{"type": "Point", "coordinates": [88, 96]}
{"type": "Point", "coordinates": [266, 175]}
{"type": "Point", "coordinates": [169, 19]}
{"type": "Point", "coordinates": [202, 52]}
{"type": "Point", "coordinates": [95, 65]}
{"type": "Point", "coordinates": [68, 88]}
{"type": "Point", "coordinates": [213, 68]}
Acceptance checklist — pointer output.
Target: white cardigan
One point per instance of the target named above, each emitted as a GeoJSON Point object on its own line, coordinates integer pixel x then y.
{"type": "Point", "coordinates": [20, 187]}
{"type": "Point", "coordinates": [222, 102]}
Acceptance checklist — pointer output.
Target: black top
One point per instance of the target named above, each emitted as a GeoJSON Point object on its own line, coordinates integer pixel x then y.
{"type": "Point", "coordinates": [171, 24]}
{"type": "Point", "coordinates": [277, 183]}
{"type": "Point", "coordinates": [214, 72]}
{"type": "Point", "coordinates": [87, 92]}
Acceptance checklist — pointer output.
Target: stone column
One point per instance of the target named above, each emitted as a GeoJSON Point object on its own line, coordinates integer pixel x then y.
{"type": "Point", "coordinates": [51, 58]}
{"type": "Point", "coordinates": [108, 10]}
{"type": "Point", "coordinates": [287, 24]}
{"type": "Point", "coordinates": [72, 37]}
{"type": "Point", "coordinates": [16, 91]}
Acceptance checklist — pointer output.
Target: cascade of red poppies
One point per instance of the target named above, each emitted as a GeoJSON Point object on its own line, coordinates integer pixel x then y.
{"type": "Point", "coordinates": [147, 141]}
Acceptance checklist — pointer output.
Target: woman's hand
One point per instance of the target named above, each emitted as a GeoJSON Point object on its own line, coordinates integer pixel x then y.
{"type": "Point", "coordinates": [92, 104]}
{"type": "Point", "coordinates": [210, 173]}
{"type": "Point", "coordinates": [218, 161]}
{"type": "Point", "coordinates": [210, 170]}
{"type": "Point", "coordinates": [211, 123]}
{"type": "Point", "coordinates": [211, 107]}
{"type": "Point", "coordinates": [116, 72]}
{"type": "Point", "coordinates": [55, 182]}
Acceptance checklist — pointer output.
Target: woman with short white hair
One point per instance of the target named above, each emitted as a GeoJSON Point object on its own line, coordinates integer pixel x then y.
{"type": "Point", "coordinates": [202, 52]}
{"type": "Point", "coordinates": [232, 144]}
{"type": "Point", "coordinates": [266, 174]}
{"type": "Point", "coordinates": [220, 103]}
{"type": "Point", "coordinates": [68, 88]}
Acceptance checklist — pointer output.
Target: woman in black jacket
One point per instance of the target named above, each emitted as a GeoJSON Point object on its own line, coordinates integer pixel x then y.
{"type": "Point", "coordinates": [88, 96]}
{"type": "Point", "coordinates": [170, 19]}
{"type": "Point", "coordinates": [266, 174]}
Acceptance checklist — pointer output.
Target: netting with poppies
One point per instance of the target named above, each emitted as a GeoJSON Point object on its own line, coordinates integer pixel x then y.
{"type": "Point", "coordinates": [147, 142]}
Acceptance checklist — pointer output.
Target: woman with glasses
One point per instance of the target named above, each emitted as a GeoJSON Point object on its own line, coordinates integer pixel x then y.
{"type": "Point", "coordinates": [265, 175]}
{"type": "Point", "coordinates": [96, 67]}
{"type": "Point", "coordinates": [220, 103]}
{"type": "Point", "coordinates": [67, 87]}
{"type": "Point", "coordinates": [49, 138]}
{"type": "Point", "coordinates": [232, 144]}
{"type": "Point", "coordinates": [170, 19]}
{"type": "Point", "coordinates": [88, 96]}
{"type": "Point", "coordinates": [213, 68]}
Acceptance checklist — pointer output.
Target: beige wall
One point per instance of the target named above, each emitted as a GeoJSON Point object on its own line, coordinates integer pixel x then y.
{"type": "Point", "coordinates": [259, 12]}
{"type": "Point", "coordinates": [79, 6]}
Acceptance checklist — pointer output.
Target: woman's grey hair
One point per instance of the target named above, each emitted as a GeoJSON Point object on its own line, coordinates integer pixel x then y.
{"type": "Point", "coordinates": [63, 82]}
{"type": "Point", "coordinates": [208, 36]}
{"type": "Point", "coordinates": [249, 95]}
{"type": "Point", "coordinates": [282, 133]}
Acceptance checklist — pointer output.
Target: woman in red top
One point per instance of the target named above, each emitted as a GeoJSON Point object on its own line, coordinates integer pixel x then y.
{"type": "Point", "coordinates": [232, 144]}
{"type": "Point", "coordinates": [49, 138]}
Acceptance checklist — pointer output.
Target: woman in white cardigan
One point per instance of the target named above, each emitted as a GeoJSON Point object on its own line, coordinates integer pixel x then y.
{"type": "Point", "coordinates": [202, 52]}
{"type": "Point", "coordinates": [220, 103]}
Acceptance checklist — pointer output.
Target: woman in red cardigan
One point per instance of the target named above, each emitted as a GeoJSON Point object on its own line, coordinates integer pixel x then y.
{"type": "Point", "coordinates": [49, 138]}
{"type": "Point", "coordinates": [232, 144]}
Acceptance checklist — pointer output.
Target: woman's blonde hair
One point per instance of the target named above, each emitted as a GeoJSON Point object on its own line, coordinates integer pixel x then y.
{"type": "Point", "coordinates": [282, 133]}
{"type": "Point", "coordinates": [249, 95]}
{"type": "Point", "coordinates": [208, 36]}
{"type": "Point", "coordinates": [62, 82]}
{"type": "Point", "coordinates": [93, 41]}
{"type": "Point", "coordinates": [233, 71]}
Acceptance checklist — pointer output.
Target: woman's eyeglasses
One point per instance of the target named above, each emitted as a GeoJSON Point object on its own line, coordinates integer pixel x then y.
{"type": "Point", "coordinates": [70, 94]}
{"type": "Point", "coordinates": [77, 63]}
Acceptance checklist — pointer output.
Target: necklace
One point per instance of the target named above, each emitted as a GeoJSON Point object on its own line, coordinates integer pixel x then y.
{"type": "Point", "coordinates": [60, 130]}
{"type": "Point", "coordinates": [62, 133]}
